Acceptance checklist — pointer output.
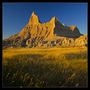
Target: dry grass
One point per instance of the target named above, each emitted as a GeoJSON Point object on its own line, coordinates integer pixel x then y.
{"type": "Point", "coordinates": [54, 67]}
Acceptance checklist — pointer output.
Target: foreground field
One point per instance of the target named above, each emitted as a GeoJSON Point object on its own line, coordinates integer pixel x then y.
{"type": "Point", "coordinates": [55, 67]}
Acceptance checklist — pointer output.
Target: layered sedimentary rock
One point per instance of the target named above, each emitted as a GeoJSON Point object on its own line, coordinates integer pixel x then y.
{"type": "Point", "coordinates": [49, 34]}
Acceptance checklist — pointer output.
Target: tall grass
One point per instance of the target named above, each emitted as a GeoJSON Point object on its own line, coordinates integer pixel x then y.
{"type": "Point", "coordinates": [62, 67]}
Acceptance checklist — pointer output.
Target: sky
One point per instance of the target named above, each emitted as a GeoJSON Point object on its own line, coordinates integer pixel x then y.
{"type": "Point", "coordinates": [17, 15]}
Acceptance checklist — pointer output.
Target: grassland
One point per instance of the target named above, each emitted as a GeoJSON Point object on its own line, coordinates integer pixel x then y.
{"type": "Point", "coordinates": [54, 67]}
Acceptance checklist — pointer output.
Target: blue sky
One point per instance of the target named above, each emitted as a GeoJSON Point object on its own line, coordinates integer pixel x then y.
{"type": "Point", "coordinates": [16, 15]}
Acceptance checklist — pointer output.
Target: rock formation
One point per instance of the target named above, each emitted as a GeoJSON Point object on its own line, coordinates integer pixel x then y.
{"type": "Point", "coordinates": [49, 34]}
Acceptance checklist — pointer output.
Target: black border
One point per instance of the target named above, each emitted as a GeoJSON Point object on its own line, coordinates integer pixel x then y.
{"type": "Point", "coordinates": [1, 43]}
{"type": "Point", "coordinates": [36, 1]}
{"type": "Point", "coordinates": [83, 1]}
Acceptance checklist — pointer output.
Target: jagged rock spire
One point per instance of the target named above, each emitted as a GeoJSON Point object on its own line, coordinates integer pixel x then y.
{"type": "Point", "coordinates": [46, 33]}
{"type": "Point", "coordinates": [55, 20]}
{"type": "Point", "coordinates": [34, 18]}
{"type": "Point", "coordinates": [33, 13]}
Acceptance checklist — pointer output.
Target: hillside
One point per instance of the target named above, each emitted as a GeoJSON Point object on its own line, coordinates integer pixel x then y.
{"type": "Point", "coordinates": [49, 34]}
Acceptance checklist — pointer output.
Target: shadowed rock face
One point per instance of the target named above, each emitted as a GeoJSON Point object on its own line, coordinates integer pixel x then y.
{"type": "Point", "coordinates": [66, 31]}
{"type": "Point", "coordinates": [49, 34]}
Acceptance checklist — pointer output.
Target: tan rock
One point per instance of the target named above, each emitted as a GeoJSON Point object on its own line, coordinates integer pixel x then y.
{"type": "Point", "coordinates": [53, 32]}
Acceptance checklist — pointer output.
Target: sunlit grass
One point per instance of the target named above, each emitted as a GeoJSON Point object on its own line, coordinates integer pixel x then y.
{"type": "Point", "coordinates": [54, 67]}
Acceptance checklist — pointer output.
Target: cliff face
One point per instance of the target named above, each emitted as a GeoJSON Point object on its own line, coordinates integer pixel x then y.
{"type": "Point", "coordinates": [49, 34]}
{"type": "Point", "coordinates": [38, 30]}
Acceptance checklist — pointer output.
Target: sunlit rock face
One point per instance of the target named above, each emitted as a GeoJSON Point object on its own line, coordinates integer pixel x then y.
{"type": "Point", "coordinates": [50, 34]}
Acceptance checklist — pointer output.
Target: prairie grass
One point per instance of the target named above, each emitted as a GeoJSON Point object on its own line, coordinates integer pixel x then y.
{"type": "Point", "coordinates": [41, 68]}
